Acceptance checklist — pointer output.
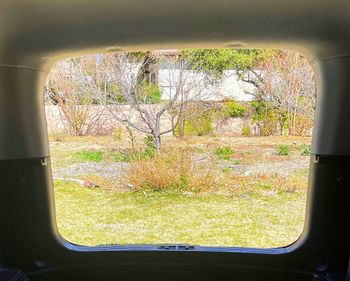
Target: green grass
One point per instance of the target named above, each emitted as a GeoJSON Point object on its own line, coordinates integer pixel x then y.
{"type": "Point", "coordinates": [226, 170]}
{"type": "Point", "coordinates": [224, 152]}
{"type": "Point", "coordinates": [97, 216]}
{"type": "Point", "coordinates": [89, 156]}
{"type": "Point", "coordinates": [106, 155]}
{"type": "Point", "coordinates": [283, 150]}
{"type": "Point", "coordinates": [305, 150]}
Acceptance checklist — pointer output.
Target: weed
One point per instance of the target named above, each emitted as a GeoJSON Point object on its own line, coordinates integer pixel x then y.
{"type": "Point", "coordinates": [226, 170]}
{"type": "Point", "coordinates": [150, 150]}
{"type": "Point", "coordinates": [236, 161]}
{"type": "Point", "coordinates": [305, 150]}
{"type": "Point", "coordinates": [224, 152]}
{"type": "Point", "coordinates": [246, 131]}
{"type": "Point", "coordinates": [131, 138]}
{"type": "Point", "coordinates": [266, 185]}
{"type": "Point", "coordinates": [283, 150]}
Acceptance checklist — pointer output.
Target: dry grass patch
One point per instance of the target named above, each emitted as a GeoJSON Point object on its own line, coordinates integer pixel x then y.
{"type": "Point", "coordinates": [173, 171]}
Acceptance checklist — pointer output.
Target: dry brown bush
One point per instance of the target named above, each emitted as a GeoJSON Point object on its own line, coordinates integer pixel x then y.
{"type": "Point", "coordinates": [173, 171]}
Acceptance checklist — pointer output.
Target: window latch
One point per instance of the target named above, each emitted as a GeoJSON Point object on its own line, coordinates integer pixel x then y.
{"type": "Point", "coordinates": [176, 247]}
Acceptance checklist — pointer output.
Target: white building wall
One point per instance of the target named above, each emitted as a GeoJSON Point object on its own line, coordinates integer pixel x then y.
{"type": "Point", "coordinates": [230, 86]}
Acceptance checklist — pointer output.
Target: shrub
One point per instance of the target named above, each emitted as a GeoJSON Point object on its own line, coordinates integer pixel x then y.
{"type": "Point", "coordinates": [120, 98]}
{"type": "Point", "coordinates": [150, 150]}
{"type": "Point", "coordinates": [246, 131]}
{"type": "Point", "coordinates": [173, 171]}
{"type": "Point", "coordinates": [224, 153]}
{"type": "Point", "coordinates": [200, 125]}
{"type": "Point", "coordinates": [234, 109]}
{"type": "Point", "coordinates": [115, 94]}
{"type": "Point", "coordinates": [149, 142]}
{"type": "Point", "coordinates": [265, 117]}
{"type": "Point", "coordinates": [305, 150]}
{"type": "Point", "coordinates": [302, 126]}
{"type": "Point", "coordinates": [283, 150]}
{"type": "Point", "coordinates": [89, 156]}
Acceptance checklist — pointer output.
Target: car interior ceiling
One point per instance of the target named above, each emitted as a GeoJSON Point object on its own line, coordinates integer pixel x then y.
{"type": "Point", "coordinates": [35, 34]}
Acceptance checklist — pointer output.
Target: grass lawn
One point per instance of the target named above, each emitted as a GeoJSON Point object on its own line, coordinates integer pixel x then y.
{"type": "Point", "coordinates": [98, 216]}
{"type": "Point", "coordinates": [260, 201]}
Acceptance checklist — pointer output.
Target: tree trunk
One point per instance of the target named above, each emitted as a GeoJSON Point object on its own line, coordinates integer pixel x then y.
{"type": "Point", "coordinates": [182, 129]}
{"type": "Point", "coordinates": [147, 72]}
{"type": "Point", "coordinates": [157, 143]}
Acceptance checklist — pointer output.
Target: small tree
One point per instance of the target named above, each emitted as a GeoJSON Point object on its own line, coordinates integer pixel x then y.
{"type": "Point", "coordinates": [126, 96]}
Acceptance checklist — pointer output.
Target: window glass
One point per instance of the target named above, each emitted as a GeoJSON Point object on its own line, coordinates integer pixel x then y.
{"type": "Point", "coordinates": [201, 146]}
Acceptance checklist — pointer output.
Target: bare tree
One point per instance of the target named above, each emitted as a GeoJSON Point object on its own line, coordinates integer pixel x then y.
{"type": "Point", "coordinates": [66, 89]}
{"type": "Point", "coordinates": [129, 97]}
{"type": "Point", "coordinates": [121, 84]}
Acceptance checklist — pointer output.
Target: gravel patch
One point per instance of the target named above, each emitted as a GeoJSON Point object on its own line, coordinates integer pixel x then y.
{"type": "Point", "coordinates": [283, 168]}
{"type": "Point", "coordinates": [111, 171]}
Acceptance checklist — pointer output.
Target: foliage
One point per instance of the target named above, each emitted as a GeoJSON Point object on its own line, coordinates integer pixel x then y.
{"type": "Point", "coordinates": [286, 82]}
{"type": "Point", "coordinates": [133, 153]}
{"type": "Point", "coordinates": [150, 150]}
{"type": "Point", "coordinates": [89, 156]}
{"type": "Point", "coordinates": [150, 93]}
{"type": "Point", "coordinates": [216, 61]}
{"type": "Point", "coordinates": [302, 126]}
{"type": "Point", "coordinates": [281, 78]}
{"type": "Point", "coordinates": [200, 124]}
{"type": "Point", "coordinates": [246, 131]}
{"type": "Point", "coordinates": [115, 156]}
{"type": "Point", "coordinates": [119, 98]}
{"type": "Point", "coordinates": [114, 94]}
{"type": "Point", "coordinates": [265, 117]}
{"type": "Point", "coordinates": [283, 150]}
{"type": "Point", "coordinates": [234, 109]}
{"type": "Point", "coordinates": [224, 152]}
{"type": "Point", "coordinates": [305, 150]}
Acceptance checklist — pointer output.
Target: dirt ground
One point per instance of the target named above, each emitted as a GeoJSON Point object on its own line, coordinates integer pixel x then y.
{"type": "Point", "coordinates": [252, 155]}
